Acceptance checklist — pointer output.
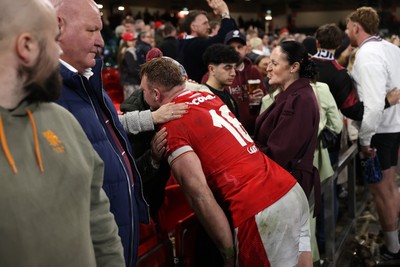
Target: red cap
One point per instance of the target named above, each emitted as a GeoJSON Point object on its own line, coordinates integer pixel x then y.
{"type": "Point", "coordinates": [158, 24]}
{"type": "Point", "coordinates": [153, 53]}
{"type": "Point", "coordinates": [284, 30]}
{"type": "Point", "coordinates": [128, 37]}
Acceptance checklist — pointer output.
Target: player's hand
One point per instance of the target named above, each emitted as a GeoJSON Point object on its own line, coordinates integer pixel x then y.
{"type": "Point", "coordinates": [169, 112]}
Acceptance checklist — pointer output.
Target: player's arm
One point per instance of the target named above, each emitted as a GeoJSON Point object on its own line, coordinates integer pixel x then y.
{"type": "Point", "coordinates": [189, 174]}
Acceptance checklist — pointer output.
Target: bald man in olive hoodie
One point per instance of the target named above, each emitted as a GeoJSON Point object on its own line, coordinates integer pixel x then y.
{"type": "Point", "coordinates": [53, 209]}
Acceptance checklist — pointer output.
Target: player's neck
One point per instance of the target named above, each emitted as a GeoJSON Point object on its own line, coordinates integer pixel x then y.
{"type": "Point", "coordinates": [172, 94]}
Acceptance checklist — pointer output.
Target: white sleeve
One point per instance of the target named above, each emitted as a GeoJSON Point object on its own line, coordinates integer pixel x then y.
{"type": "Point", "coordinates": [370, 76]}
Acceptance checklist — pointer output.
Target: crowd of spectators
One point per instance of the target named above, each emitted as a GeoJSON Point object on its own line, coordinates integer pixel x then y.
{"type": "Point", "coordinates": [246, 122]}
{"type": "Point", "coordinates": [328, 46]}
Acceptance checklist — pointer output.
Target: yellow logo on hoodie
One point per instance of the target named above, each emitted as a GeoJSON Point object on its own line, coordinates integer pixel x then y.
{"type": "Point", "coordinates": [56, 143]}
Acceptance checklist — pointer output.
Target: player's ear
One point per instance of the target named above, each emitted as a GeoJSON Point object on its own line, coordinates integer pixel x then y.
{"type": "Point", "coordinates": [157, 94]}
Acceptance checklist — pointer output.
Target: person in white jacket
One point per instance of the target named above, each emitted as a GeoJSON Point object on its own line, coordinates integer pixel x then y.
{"type": "Point", "coordinates": [376, 71]}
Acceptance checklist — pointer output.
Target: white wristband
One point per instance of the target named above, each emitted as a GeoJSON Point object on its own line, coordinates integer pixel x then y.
{"type": "Point", "coordinates": [225, 15]}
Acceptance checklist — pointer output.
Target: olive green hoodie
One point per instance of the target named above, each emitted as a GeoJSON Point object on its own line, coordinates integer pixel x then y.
{"type": "Point", "coordinates": [53, 209]}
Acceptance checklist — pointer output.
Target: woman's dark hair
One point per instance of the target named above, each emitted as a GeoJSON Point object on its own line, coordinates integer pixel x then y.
{"type": "Point", "coordinates": [296, 52]}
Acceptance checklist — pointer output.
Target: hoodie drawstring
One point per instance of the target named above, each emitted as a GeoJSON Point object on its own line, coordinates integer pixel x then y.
{"type": "Point", "coordinates": [5, 147]}
{"type": "Point", "coordinates": [36, 140]}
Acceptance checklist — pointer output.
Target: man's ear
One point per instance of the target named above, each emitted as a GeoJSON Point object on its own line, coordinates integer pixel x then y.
{"type": "Point", "coordinates": [211, 68]}
{"type": "Point", "coordinates": [357, 28]}
{"type": "Point", "coordinates": [157, 94]}
{"type": "Point", "coordinates": [27, 48]}
{"type": "Point", "coordinates": [192, 27]}
{"type": "Point", "coordinates": [61, 26]}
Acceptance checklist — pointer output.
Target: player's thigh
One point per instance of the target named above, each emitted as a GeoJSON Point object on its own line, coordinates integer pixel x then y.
{"type": "Point", "coordinates": [284, 228]}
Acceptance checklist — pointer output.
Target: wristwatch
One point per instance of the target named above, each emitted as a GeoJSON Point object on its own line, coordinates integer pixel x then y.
{"type": "Point", "coordinates": [155, 164]}
{"type": "Point", "coordinates": [225, 15]}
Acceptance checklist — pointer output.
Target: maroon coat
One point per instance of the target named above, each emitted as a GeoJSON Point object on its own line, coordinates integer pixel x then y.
{"type": "Point", "coordinates": [287, 132]}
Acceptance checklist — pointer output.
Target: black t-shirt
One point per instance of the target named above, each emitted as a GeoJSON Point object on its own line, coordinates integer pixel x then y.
{"type": "Point", "coordinates": [228, 99]}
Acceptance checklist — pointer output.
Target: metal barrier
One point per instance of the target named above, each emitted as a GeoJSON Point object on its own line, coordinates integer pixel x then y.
{"type": "Point", "coordinates": [334, 244]}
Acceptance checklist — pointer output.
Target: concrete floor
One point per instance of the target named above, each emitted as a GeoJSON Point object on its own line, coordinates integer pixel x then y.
{"type": "Point", "coordinates": [362, 246]}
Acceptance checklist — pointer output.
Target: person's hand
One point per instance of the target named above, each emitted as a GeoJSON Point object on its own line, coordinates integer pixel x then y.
{"type": "Point", "coordinates": [219, 7]}
{"type": "Point", "coordinates": [395, 40]}
{"type": "Point", "coordinates": [393, 96]}
{"type": "Point", "coordinates": [256, 96]}
{"type": "Point", "coordinates": [169, 112]}
{"type": "Point", "coordinates": [368, 152]}
{"type": "Point", "coordinates": [347, 52]}
{"type": "Point", "coordinates": [158, 146]}
{"type": "Point", "coordinates": [191, 81]}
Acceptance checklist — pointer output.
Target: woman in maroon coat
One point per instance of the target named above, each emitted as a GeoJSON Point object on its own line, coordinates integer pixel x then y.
{"type": "Point", "coordinates": [287, 130]}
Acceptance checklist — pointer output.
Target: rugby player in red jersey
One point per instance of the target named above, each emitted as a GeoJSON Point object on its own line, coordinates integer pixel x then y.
{"type": "Point", "coordinates": [253, 209]}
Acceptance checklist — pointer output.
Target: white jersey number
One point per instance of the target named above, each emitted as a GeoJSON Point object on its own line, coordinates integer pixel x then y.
{"type": "Point", "coordinates": [231, 124]}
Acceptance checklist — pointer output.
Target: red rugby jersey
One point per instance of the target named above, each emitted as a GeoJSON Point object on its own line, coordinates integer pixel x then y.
{"type": "Point", "coordinates": [244, 180]}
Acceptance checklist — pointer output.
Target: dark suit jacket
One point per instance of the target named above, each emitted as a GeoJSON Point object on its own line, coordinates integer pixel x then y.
{"type": "Point", "coordinates": [169, 47]}
{"type": "Point", "coordinates": [191, 50]}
